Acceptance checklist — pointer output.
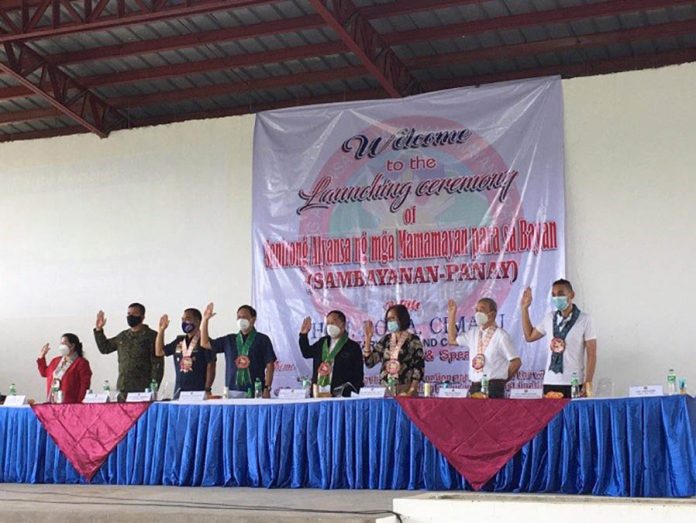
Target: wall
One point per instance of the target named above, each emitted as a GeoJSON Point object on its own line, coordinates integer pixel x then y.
{"type": "Point", "coordinates": [162, 215]}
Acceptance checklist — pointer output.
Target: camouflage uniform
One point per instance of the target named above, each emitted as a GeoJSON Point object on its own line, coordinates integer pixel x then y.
{"type": "Point", "coordinates": [137, 363]}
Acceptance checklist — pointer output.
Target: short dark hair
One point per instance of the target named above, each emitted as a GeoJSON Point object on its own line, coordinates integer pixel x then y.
{"type": "Point", "coordinates": [196, 313]}
{"type": "Point", "coordinates": [402, 315]}
{"type": "Point", "coordinates": [138, 306]}
{"type": "Point", "coordinates": [249, 309]}
{"type": "Point", "coordinates": [561, 281]}
{"type": "Point", "coordinates": [338, 314]}
{"type": "Point", "coordinates": [74, 340]}
{"type": "Point", "coordinates": [491, 303]}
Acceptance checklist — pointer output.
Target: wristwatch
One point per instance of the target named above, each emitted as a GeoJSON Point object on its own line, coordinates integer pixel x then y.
{"type": "Point", "coordinates": [209, 389]}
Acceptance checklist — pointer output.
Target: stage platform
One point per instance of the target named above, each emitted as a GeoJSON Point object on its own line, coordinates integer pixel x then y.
{"type": "Point", "coordinates": [444, 507]}
{"type": "Point", "coordinates": [97, 503]}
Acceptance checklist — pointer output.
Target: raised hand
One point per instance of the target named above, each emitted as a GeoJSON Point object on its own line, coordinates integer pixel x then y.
{"type": "Point", "coordinates": [163, 323]}
{"type": "Point", "coordinates": [526, 298]}
{"type": "Point", "coordinates": [451, 307]}
{"type": "Point", "coordinates": [209, 311]}
{"type": "Point", "coordinates": [306, 325]}
{"type": "Point", "coordinates": [101, 321]}
{"type": "Point", "coordinates": [44, 350]}
{"type": "Point", "coordinates": [369, 329]}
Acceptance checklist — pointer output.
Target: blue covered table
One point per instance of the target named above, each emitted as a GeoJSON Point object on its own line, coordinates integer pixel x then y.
{"type": "Point", "coordinates": [621, 447]}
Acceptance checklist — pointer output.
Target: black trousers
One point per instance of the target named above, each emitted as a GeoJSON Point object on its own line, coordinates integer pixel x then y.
{"type": "Point", "coordinates": [496, 388]}
{"type": "Point", "coordinates": [565, 389]}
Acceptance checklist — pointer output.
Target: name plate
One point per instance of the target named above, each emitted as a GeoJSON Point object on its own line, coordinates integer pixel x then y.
{"type": "Point", "coordinates": [292, 394]}
{"type": "Point", "coordinates": [645, 391]}
{"type": "Point", "coordinates": [136, 397]}
{"type": "Point", "coordinates": [96, 398]}
{"type": "Point", "coordinates": [372, 392]}
{"type": "Point", "coordinates": [192, 395]}
{"type": "Point", "coordinates": [453, 393]}
{"type": "Point", "coordinates": [15, 401]}
{"type": "Point", "coordinates": [526, 394]}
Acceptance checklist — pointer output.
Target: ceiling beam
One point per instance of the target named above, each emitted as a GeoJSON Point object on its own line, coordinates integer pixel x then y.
{"type": "Point", "coordinates": [607, 66]}
{"type": "Point", "coordinates": [171, 43]}
{"type": "Point", "coordinates": [273, 82]}
{"type": "Point", "coordinates": [43, 133]}
{"type": "Point", "coordinates": [28, 115]}
{"type": "Point", "coordinates": [578, 70]}
{"type": "Point", "coordinates": [365, 94]}
{"type": "Point", "coordinates": [516, 50]}
{"type": "Point", "coordinates": [520, 21]}
{"type": "Point", "coordinates": [215, 64]}
{"type": "Point", "coordinates": [14, 92]}
{"type": "Point", "coordinates": [667, 29]}
{"type": "Point", "coordinates": [304, 23]}
{"type": "Point", "coordinates": [65, 94]}
{"type": "Point", "coordinates": [407, 7]}
{"type": "Point", "coordinates": [355, 30]}
{"type": "Point", "coordinates": [41, 20]}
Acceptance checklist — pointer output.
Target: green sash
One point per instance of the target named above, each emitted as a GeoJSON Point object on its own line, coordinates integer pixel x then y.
{"type": "Point", "coordinates": [327, 357]}
{"type": "Point", "coordinates": [242, 377]}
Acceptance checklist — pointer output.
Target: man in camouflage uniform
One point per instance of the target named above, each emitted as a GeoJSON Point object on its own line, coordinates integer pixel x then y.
{"type": "Point", "coordinates": [137, 363]}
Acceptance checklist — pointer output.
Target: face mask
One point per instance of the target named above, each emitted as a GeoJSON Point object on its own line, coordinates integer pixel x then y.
{"type": "Point", "coordinates": [481, 318]}
{"type": "Point", "coordinates": [63, 350]}
{"type": "Point", "coordinates": [560, 302]}
{"type": "Point", "coordinates": [243, 324]}
{"type": "Point", "coordinates": [333, 330]}
{"type": "Point", "coordinates": [392, 326]}
{"type": "Point", "coordinates": [187, 326]}
{"type": "Point", "coordinates": [134, 321]}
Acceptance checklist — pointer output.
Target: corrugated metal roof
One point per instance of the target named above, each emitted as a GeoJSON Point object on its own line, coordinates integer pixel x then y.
{"type": "Point", "coordinates": [501, 39]}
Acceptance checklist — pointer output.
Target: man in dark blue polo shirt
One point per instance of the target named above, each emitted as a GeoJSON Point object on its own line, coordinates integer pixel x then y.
{"type": "Point", "coordinates": [249, 354]}
{"type": "Point", "coordinates": [194, 366]}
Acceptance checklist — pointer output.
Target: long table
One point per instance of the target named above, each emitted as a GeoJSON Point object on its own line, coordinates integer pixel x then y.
{"type": "Point", "coordinates": [638, 447]}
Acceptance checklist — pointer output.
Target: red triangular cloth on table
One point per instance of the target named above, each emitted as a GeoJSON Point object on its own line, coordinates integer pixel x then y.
{"type": "Point", "coordinates": [87, 432]}
{"type": "Point", "coordinates": [476, 436]}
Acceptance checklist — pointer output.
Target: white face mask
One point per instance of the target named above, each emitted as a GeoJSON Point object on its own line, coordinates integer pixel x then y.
{"type": "Point", "coordinates": [63, 350]}
{"type": "Point", "coordinates": [481, 318]}
{"type": "Point", "coordinates": [333, 330]}
{"type": "Point", "coordinates": [243, 324]}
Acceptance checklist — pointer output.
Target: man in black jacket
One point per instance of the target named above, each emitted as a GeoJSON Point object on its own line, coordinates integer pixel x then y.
{"type": "Point", "coordinates": [337, 360]}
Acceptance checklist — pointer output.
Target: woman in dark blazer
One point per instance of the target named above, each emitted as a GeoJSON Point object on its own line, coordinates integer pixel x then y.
{"type": "Point", "coordinates": [70, 371]}
{"type": "Point", "coordinates": [337, 360]}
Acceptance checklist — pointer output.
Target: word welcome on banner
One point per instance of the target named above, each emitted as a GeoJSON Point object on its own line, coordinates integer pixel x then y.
{"type": "Point", "coordinates": [361, 205]}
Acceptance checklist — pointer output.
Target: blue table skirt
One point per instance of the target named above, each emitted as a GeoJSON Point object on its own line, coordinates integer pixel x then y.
{"type": "Point", "coordinates": [622, 447]}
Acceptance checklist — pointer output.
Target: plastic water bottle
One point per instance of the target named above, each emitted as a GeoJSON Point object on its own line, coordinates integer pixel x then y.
{"type": "Point", "coordinates": [307, 386]}
{"type": "Point", "coordinates": [55, 398]}
{"type": "Point", "coordinates": [107, 390]}
{"type": "Point", "coordinates": [258, 389]}
{"type": "Point", "coordinates": [484, 384]}
{"type": "Point", "coordinates": [153, 389]}
{"type": "Point", "coordinates": [682, 386]}
{"type": "Point", "coordinates": [391, 385]}
{"type": "Point", "coordinates": [13, 390]}
{"type": "Point", "coordinates": [671, 382]}
{"type": "Point", "coordinates": [574, 386]}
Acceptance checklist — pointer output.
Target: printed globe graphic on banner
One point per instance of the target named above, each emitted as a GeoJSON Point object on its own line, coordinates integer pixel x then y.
{"type": "Point", "coordinates": [426, 301]}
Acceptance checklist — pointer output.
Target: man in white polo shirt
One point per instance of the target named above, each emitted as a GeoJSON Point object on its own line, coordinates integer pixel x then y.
{"type": "Point", "coordinates": [491, 350]}
{"type": "Point", "coordinates": [572, 346]}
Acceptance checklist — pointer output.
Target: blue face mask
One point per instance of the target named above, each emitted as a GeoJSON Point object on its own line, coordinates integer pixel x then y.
{"type": "Point", "coordinates": [187, 326]}
{"type": "Point", "coordinates": [392, 326]}
{"type": "Point", "coordinates": [560, 302]}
